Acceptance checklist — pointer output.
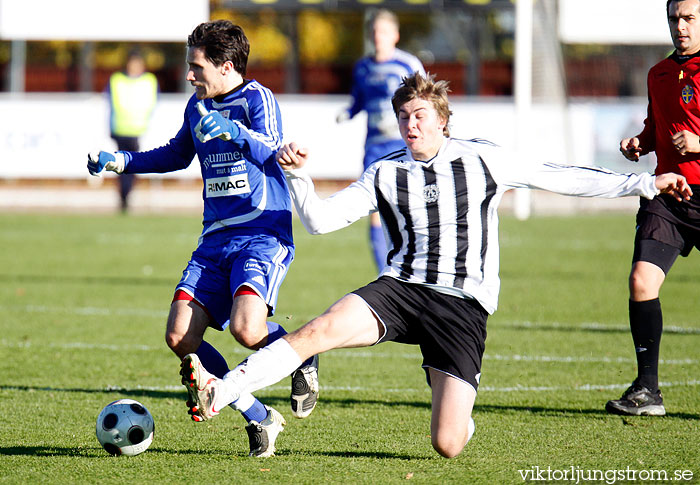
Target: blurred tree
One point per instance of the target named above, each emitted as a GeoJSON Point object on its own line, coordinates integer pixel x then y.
{"type": "Point", "coordinates": [318, 37]}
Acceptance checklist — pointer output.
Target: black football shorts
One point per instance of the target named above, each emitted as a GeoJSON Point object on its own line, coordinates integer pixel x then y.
{"type": "Point", "coordinates": [450, 331]}
{"type": "Point", "coordinates": [667, 228]}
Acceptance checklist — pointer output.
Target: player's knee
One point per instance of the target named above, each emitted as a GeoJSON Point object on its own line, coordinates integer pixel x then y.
{"type": "Point", "coordinates": [449, 442]}
{"type": "Point", "coordinates": [448, 446]}
{"type": "Point", "coordinates": [249, 337]}
{"type": "Point", "coordinates": [181, 344]}
{"type": "Point", "coordinates": [636, 283]}
{"type": "Point", "coordinates": [641, 286]}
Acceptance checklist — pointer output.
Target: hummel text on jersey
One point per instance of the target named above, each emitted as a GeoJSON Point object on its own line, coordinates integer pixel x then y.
{"type": "Point", "coordinates": [223, 186]}
{"type": "Point", "coordinates": [226, 158]}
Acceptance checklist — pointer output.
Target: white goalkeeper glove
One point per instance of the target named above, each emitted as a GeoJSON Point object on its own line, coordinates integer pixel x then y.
{"type": "Point", "coordinates": [99, 161]}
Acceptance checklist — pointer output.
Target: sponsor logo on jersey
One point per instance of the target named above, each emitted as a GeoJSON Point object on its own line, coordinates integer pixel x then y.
{"type": "Point", "coordinates": [431, 193]}
{"type": "Point", "coordinates": [232, 185]}
{"type": "Point", "coordinates": [255, 265]}
{"type": "Point", "coordinates": [222, 159]}
{"type": "Point", "coordinates": [687, 94]}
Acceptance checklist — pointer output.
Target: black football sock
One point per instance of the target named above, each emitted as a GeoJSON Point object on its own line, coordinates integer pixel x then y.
{"type": "Point", "coordinates": [646, 324]}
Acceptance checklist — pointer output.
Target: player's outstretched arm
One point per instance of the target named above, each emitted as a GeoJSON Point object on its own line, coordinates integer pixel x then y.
{"type": "Point", "coordinates": [337, 211]}
{"type": "Point", "coordinates": [292, 156]}
{"type": "Point", "coordinates": [630, 148]}
{"type": "Point", "coordinates": [99, 161]}
{"type": "Point", "coordinates": [674, 184]}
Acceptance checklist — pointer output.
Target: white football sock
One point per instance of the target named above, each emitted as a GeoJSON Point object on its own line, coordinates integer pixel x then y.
{"type": "Point", "coordinates": [265, 367]}
{"type": "Point", "coordinates": [243, 403]}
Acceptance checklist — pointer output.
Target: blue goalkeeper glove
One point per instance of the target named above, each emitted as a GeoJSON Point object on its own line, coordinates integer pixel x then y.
{"type": "Point", "coordinates": [213, 125]}
{"type": "Point", "coordinates": [99, 161]}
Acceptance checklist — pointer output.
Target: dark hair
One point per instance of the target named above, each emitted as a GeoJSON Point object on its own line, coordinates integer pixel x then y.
{"type": "Point", "coordinates": [222, 41]}
{"type": "Point", "coordinates": [427, 88]}
{"type": "Point", "coordinates": [668, 4]}
{"type": "Point", "coordinates": [134, 53]}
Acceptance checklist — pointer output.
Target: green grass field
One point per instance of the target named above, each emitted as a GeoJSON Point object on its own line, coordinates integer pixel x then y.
{"type": "Point", "coordinates": [84, 301]}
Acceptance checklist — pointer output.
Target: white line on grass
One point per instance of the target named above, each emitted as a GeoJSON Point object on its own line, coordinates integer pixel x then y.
{"type": "Point", "coordinates": [143, 312]}
{"type": "Point", "coordinates": [589, 326]}
{"type": "Point", "coordinates": [86, 311]}
{"type": "Point", "coordinates": [380, 390]}
{"type": "Point", "coordinates": [348, 353]}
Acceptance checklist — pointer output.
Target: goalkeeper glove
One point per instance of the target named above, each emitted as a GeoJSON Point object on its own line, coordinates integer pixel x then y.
{"type": "Point", "coordinates": [99, 161]}
{"type": "Point", "coordinates": [213, 125]}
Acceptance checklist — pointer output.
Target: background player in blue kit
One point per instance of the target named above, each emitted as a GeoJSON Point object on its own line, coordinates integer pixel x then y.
{"type": "Point", "coordinates": [234, 127]}
{"type": "Point", "coordinates": [374, 80]}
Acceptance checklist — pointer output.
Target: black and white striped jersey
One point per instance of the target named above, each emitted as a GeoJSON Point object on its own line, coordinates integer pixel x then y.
{"type": "Point", "coordinates": [440, 217]}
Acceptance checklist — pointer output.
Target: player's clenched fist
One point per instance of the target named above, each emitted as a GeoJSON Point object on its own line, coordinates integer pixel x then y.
{"type": "Point", "coordinates": [291, 156]}
{"type": "Point", "coordinates": [99, 161]}
{"type": "Point", "coordinates": [630, 148]}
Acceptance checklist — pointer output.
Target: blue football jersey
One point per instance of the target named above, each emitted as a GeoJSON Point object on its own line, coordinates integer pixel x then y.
{"type": "Point", "coordinates": [373, 85]}
{"type": "Point", "coordinates": [244, 187]}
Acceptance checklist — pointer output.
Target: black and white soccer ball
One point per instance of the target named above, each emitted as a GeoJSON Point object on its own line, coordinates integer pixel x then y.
{"type": "Point", "coordinates": [125, 427]}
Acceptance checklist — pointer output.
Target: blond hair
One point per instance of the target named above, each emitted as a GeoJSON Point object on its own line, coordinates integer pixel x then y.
{"type": "Point", "coordinates": [425, 87]}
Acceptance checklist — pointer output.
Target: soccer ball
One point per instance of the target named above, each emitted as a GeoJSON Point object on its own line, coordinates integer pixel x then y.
{"type": "Point", "coordinates": [125, 427]}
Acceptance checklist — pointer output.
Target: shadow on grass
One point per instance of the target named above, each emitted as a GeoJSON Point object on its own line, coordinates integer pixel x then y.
{"type": "Point", "coordinates": [97, 452]}
{"type": "Point", "coordinates": [91, 280]}
{"type": "Point", "coordinates": [43, 451]}
{"type": "Point", "coordinates": [348, 402]}
{"type": "Point", "coordinates": [279, 401]}
{"type": "Point", "coordinates": [553, 411]}
{"type": "Point", "coordinates": [369, 454]}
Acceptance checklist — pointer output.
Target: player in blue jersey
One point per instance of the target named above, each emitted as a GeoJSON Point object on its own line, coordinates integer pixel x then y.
{"type": "Point", "coordinates": [374, 80]}
{"type": "Point", "coordinates": [234, 127]}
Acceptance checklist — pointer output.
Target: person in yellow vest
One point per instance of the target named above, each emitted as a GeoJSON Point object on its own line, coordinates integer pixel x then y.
{"type": "Point", "coordinates": [132, 97]}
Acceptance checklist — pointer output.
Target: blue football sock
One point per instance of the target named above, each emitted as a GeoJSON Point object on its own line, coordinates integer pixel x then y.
{"type": "Point", "coordinates": [256, 412]}
{"type": "Point", "coordinates": [212, 360]}
{"type": "Point", "coordinates": [275, 332]}
{"type": "Point", "coordinates": [376, 236]}
{"type": "Point", "coordinates": [215, 363]}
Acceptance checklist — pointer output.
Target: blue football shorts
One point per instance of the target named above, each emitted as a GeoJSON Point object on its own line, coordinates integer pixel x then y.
{"type": "Point", "coordinates": [222, 263]}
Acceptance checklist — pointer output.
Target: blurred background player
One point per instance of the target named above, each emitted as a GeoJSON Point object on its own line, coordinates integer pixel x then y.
{"type": "Point", "coordinates": [438, 198]}
{"type": "Point", "coordinates": [233, 125]}
{"type": "Point", "coordinates": [132, 97]}
{"type": "Point", "coordinates": [374, 80]}
{"type": "Point", "coordinates": [665, 227]}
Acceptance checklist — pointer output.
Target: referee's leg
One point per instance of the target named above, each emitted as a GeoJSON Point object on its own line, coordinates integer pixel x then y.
{"type": "Point", "coordinates": [452, 405]}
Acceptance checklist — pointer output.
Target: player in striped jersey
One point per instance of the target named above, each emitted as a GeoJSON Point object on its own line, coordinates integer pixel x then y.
{"type": "Point", "coordinates": [234, 127]}
{"type": "Point", "coordinates": [438, 200]}
{"type": "Point", "coordinates": [374, 80]}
